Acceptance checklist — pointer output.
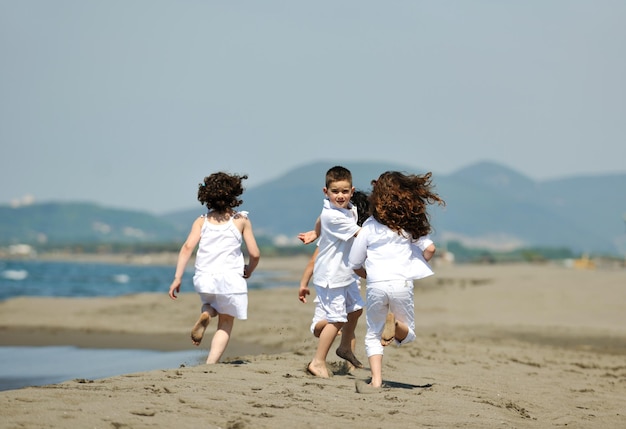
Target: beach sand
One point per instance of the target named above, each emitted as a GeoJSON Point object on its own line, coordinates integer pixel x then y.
{"type": "Point", "coordinates": [507, 346]}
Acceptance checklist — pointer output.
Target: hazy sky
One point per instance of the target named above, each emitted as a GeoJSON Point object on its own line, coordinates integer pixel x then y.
{"type": "Point", "coordinates": [130, 103]}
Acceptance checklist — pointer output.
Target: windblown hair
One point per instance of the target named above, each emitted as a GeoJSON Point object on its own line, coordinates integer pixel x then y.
{"type": "Point", "coordinates": [338, 173]}
{"type": "Point", "coordinates": [362, 203]}
{"type": "Point", "coordinates": [399, 201]}
{"type": "Point", "coordinates": [220, 191]}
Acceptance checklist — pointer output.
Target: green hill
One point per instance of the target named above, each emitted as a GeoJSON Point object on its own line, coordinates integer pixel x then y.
{"type": "Point", "coordinates": [488, 206]}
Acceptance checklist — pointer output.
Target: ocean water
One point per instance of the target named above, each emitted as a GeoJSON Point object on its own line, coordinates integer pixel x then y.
{"type": "Point", "coordinates": [70, 279]}
{"type": "Point", "coordinates": [38, 366]}
{"type": "Point", "coordinates": [35, 366]}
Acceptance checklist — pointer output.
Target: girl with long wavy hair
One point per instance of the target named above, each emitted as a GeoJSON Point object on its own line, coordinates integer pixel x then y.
{"type": "Point", "coordinates": [391, 251]}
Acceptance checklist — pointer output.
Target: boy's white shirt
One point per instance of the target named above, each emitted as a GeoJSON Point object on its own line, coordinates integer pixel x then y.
{"type": "Point", "coordinates": [387, 255]}
{"type": "Point", "coordinates": [337, 229]}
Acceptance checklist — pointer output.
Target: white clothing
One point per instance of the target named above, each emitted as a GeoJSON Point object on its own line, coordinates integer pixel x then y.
{"type": "Point", "coordinates": [352, 299]}
{"type": "Point", "coordinates": [384, 297]}
{"type": "Point", "coordinates": [233, 304]}
{"type": "Point", "coordinates": [392, 261]}
{"type": "Point", "coordinates": [220, 263]}
{"type": "Point", "coordinates": [331, 304]}
{"type": "Point", "coordinates": [338, 227]}
{"type": "Point", "coordinates": [387, 255]}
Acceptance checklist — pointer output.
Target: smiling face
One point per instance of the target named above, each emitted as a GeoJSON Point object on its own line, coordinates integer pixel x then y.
{"type": "Point", "coordinates": [339, 193]}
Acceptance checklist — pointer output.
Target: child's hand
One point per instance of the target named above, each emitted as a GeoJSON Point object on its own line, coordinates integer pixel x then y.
{"type": "Point", "coordinates": [174, 288]}
{"type": "Point", "coordinates": [307, 237]}
{"type": "Point", "coordinates": [303, 292]}
{"type": "Point", "coordinates": [246, 274]}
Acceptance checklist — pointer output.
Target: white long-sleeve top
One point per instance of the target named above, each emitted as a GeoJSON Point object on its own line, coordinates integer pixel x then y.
{"type": "Point", "coordinates": [387, 255]}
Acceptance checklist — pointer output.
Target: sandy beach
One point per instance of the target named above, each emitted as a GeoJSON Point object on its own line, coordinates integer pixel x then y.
{"type": "Point", "coordinates": [507, 346]}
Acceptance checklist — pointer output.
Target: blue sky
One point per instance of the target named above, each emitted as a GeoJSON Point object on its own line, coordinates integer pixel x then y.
{"type": "Point", "coordinates": [131, 103]}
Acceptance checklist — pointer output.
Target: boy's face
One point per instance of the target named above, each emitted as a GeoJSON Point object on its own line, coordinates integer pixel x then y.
{"type": "Point", "coordinates": [339, 193]}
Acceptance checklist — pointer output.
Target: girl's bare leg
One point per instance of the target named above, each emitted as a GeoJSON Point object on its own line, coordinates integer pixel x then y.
{"type": "Point", "coordinates": [317, 366]}
{"type": "Point", "coordinates": [402, 330]}
{"type": "Point", "coordinates": [197, 332]}
{"type": "Point", "coordinates": [394, 330]}
{"type": "Point", "coordinates": [220, 338]}
{"type": "Point", "coordinates": [207, 307]}
{"type": "Point", "coordinates": [376, 365]}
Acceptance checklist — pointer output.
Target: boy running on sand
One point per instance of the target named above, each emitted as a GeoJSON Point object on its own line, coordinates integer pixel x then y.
{"type": "Point", "coordinates": [338, 300]}
{"type": "Point", "coordinates": [348, 341]}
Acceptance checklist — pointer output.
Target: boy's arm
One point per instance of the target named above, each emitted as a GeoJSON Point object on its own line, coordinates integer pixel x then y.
{"type": "Point", "coordinates": [306, 277]}
{"type": "Point", "coordinates": [339, 227]}
{"type": "Point", "coordinates": [311, 236]}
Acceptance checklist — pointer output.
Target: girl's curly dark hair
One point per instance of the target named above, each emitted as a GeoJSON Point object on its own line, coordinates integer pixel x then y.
{"type": "Point", "coordinates": [399, 201]}
{"type": "Point", "coordinates": [220, 190]}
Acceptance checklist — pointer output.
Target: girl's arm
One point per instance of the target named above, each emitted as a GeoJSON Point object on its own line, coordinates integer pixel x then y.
{"type": "Point", "coordinates": [254, 254]}
{"type": "Point", "coordinates": [183, 256]}
{"type": "Point", "coordinates": [361, 272]}
{"type": "Point", "coordinates": [358, 254]}
{"type": "Point", "coordinates": [429, 252]}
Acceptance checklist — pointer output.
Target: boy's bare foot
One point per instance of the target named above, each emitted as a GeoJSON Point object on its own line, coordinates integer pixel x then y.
{"type": "Point", "coordinates": [317, 370]}
{"type": "Point", "coordinates": [349, 356]}
{"type": "Point", "coordinates": [197, 332]}
{"type": "Point", "coordinates": [389, 331]}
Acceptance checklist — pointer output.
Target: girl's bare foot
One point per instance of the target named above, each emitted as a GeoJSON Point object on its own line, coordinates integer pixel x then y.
{"type": "Point", "coordinates": [389, 331]}
{"type": "Point", "coordinates": [363, 387]}
{"type": "Point", "coordinates": [317, 370]}
{"type": "Point", "coordinates": [197, 332]}
{"type": "Point", "coordinates": [349, 356]}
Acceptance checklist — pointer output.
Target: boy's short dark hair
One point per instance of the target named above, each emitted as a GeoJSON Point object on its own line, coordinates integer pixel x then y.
{"type": "Point", "coordinates": [338, 173]}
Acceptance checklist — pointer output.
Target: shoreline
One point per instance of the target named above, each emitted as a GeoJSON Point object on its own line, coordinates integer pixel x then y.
{"type": "Point", "coordinates": [87, 339]}
{"type": "Point", "coordinates": [517, 346]}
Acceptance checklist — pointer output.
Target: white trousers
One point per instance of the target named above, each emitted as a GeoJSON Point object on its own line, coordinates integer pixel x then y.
{"type": "Point", "coordinates": [381, 298]}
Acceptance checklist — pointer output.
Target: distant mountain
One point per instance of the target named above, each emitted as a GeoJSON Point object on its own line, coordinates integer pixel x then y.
{"type": "Point", "coordinates": [583, 213]}
{"type": "Point", "coordinates": [488, 205]}
{"type": "Point", "coordinates": [70, 223]}
{"type": "Point", "coordinates": [292, 202]}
